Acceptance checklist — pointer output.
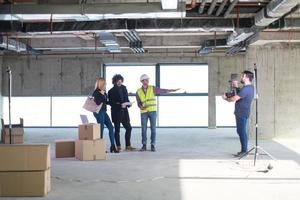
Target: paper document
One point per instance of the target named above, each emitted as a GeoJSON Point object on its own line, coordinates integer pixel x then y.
{"type": "Point", "coordinates": [127, 104]}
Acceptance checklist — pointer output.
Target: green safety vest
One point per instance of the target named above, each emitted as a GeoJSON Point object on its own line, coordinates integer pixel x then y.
{"type": "Point", "coordinates": [148, 100]}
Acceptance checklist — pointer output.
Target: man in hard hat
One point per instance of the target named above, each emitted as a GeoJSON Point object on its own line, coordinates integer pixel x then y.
{"type": "Point", "coordinates": [146, 99]}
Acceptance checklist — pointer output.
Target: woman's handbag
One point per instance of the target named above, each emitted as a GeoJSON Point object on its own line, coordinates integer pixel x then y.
{"type": "Point", "coordinates": [91, 106]}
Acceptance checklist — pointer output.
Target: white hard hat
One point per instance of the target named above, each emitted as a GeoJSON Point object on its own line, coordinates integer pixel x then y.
{"type": "Point", "coordinates": [144, 77]}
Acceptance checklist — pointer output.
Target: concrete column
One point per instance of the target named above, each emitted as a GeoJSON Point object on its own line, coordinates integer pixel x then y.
{"type": "Point", "coordinates": [265, 60]}
{"type": "Point", "coordinates": [286, 89]}
{"type": "Point", "coordinates": [213, 64]}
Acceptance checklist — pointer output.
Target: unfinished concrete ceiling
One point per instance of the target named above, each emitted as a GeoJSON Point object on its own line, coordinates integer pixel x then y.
{"type": "Point", "coordinates": [200, 26]}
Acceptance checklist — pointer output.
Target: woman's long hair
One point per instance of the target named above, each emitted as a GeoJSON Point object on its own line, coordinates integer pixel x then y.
{"type": "Point", "coordinates": [100, 83]}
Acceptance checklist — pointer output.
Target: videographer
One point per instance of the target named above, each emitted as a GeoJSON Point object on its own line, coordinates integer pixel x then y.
{"type": "Point", "coordinates": [243, 101]}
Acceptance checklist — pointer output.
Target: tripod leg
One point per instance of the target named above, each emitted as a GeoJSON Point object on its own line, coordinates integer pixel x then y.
{"type": "Point", "coordinates": [264, 151]}
{"type": "Point", "coordinates": [255, 156]}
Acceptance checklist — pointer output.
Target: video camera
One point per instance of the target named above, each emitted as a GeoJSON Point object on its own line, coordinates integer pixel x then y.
{"type": "Point", "coordinates": [233, 86]}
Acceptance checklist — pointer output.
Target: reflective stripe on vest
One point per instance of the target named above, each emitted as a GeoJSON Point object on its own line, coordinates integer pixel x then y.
{"type": "Point", "coordinates": [148, 100]}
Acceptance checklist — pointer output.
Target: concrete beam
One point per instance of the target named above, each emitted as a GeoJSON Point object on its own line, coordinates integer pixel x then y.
{"type": "Point", "coordinates": [147, 41]}
{"type": "Point", "coordinates": [275, 37]}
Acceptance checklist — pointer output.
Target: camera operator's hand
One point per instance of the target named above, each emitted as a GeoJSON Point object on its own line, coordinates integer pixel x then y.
{"type": "Point", "coordinates": [224, 96]}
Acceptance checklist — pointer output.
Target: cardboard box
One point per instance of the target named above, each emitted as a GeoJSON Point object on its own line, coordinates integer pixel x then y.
{"type": "Point", "coordinates": [64, 148]}
{"type": "Point", "coordinates": [17, 134]}
{"type": "Point", "coordinates": [24, 157]}
{"type": "Point", "coordinates": [90, 149]}
{"type": "Point", "coordinates": [89, 131]}
{"type": "Point", "coordinates": [25, 184]}
{"type": "Point", "coordinates": [15, 139]}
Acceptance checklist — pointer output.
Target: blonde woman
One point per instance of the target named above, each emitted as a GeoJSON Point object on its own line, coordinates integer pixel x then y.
{"type": "Point", "coordinates": [102, 118]}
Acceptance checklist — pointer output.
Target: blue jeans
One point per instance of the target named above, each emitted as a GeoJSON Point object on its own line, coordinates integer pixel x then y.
{"type": "Point", "coordinates": [241, 127]}
{"type": "Point", "coordinates": [144, 120]}
{"type": "Point", "coordinates": [102, 118]}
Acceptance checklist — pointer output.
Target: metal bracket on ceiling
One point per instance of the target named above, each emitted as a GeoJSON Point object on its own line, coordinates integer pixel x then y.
{"type": "Point", "coordinates": [82, 8]}
{"type": "Point", "coordinates": [135, 43]}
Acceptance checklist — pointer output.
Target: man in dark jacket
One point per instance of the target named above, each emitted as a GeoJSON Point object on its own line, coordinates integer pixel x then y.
{"type": "Point", "coordinates": [118, 98]}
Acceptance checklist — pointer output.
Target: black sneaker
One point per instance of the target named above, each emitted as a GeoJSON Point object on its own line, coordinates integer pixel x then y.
{"type": "Point", "coordinates": [153, 148]}
{"type": "Point", "coordinates": [239, 154]}
{"type": "Point", "coordinates": [144, 148]}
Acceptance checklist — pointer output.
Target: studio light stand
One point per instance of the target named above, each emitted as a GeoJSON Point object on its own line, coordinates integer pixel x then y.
{"type": "Point", "coordinates": [8, 70]}
{"type": "Point", "coordinates": [257, 149]}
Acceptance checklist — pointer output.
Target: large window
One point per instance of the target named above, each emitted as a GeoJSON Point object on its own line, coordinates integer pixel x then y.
{"type": "Point", "coordinates": [186, 107]}
{"type": "Point", "coordinates": [189, 78]}
{"type": "Point", "coordinates": [224, 112]}
{"type": "Point", "coordinates": [46, 111]}
{"type": "Point", "coordinates": [66, 111]}
{"type": "Point", "coordinates": [183, 111]}
{"type": "Point", "coordinates": [34, 110]}
{"type": "Point", "coordinates": [131, 74]}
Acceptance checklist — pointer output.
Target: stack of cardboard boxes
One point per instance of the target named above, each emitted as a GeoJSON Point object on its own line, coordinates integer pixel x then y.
{"type": "Point", "coordinates": [24, 170]}
{"type": "Point", "coordinates": [89, 146]}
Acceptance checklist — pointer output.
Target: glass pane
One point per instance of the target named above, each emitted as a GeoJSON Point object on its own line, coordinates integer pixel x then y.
{"type": "Point", "coordinates": [66, 111]}
{"type": "Point", "coordinates": [224, 112]}
{"type": "Point", "coordinates": [190, 78]}
{"type": "Point", "coordinates": [183, 111]}
{"type": "Point", "coordinates": [34, 110]}
{"type": "Point", "coordinates": [131, 75]}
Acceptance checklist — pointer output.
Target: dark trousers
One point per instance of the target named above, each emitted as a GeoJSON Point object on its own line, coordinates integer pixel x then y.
{"type": "Point", "coordinates": [128, 129]}
{"type": "Point", "coordinates": [241, 127]}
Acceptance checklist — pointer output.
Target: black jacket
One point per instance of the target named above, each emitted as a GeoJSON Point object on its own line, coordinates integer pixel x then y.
{"type": "Point", "coordinates": [118, 114]}
{"type": "Point", "coordinates": [100, 98]}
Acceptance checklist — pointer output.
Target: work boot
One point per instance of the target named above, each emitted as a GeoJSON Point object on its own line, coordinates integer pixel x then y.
{"type": "Point", "coordinates": [130, 148]}
{"type": "Point", "coordinates": [153, 148]}
{"type": "Point", "coordinates": [144, 148]}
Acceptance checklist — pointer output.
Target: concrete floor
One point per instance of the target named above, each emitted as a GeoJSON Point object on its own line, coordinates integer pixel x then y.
{"type": "Point", "coordinates": [189, 164]}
